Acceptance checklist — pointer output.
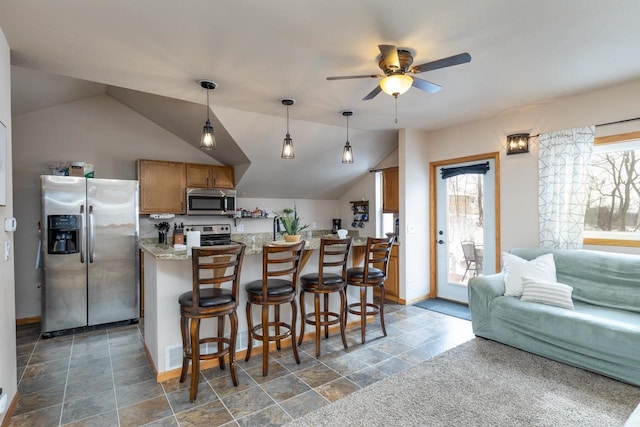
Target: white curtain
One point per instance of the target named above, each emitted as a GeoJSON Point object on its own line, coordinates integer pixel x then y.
{"type": "Point", "coordinates": [564, 158]}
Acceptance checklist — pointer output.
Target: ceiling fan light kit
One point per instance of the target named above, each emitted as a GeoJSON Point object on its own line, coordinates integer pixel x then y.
{"type": "Point", "coordinates": [208, 140]}
{"type": "Point", "coordinates": [396, 84]}
{"type": "Point", "coordinates": [287, 144]}
{"type": "Point", "coordinates": [347, 153]}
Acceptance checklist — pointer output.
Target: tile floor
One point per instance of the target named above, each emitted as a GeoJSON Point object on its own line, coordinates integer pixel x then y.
{"type": "Point", "coordinates": [102, 378]}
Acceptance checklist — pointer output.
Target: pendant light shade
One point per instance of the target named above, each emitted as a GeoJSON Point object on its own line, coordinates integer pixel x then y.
{"type": "Point", "coordinates": [347, 153]}
{"type": "Point", "coordinates": [287, 144]}
{"type": "Point", "coordinates": [208, 140]}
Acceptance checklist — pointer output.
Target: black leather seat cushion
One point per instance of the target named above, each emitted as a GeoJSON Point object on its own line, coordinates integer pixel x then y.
{"type": "Point", "coordinates": [358, 273]}
{"type": "Point", "coordinates": [328, 280]}
{"type": "Point", "coordinates": [209, 297]}
{"type": "Point", "coordinates": [275, 287]}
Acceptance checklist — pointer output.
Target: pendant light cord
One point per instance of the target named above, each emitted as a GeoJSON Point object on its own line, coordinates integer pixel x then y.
{"type": "Point", "coordinates": [208, 105]}
{"type": "Point", "coordinates": [287, 119]}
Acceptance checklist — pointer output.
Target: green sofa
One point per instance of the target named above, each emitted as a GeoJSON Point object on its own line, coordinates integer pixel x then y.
{"type": "Point", "coordinates": [601, 335]}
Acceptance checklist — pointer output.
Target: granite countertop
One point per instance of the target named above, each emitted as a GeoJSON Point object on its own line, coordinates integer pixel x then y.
{"type": "Point", "coordinates": [166, 252]}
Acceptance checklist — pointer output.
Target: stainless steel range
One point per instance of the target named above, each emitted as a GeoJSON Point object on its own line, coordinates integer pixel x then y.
{"type": "Point", "coordinates": [212, 234]}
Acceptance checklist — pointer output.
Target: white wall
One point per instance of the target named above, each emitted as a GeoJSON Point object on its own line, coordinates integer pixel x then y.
{"type": "Point", "coordinates": [414, 215]}
{"type": "Point", "coordinates": [8, 367]}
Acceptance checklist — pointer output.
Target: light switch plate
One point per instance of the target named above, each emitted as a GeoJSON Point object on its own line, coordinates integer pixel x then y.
{"type": "Point", "coordinates": [7, 250]}
{"type": "Point", "coordinates": [10, 224]}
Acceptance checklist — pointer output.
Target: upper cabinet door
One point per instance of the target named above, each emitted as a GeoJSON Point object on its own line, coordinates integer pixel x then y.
{"type": "Point", "coordinates": [208, 176]}
{"type": "Point", "coordinates": [223, 177]}
{"type": "Point", "coordinates": [390, 189]}
{"type": "Point", "coordinates": [199, 176]}
{"type": "Point", "coordinates": [162, 186]}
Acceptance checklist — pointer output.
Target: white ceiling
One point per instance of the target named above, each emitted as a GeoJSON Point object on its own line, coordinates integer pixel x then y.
{"type": "Point", "coordinates": [259, 52]}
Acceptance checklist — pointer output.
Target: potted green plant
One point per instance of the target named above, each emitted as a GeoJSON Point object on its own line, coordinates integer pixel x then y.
{"type": "Point", "coordinates": [292, 224]}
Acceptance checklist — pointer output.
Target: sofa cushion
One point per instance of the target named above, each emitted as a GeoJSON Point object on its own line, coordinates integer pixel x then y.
{"type": "Point", "coordinates": [607, 336]}
{"type": "Point", "coordinates": [515, 268]}
{"type": "Point", "coordinates": [600, 278]}
{"type": "Point", "coordinates": [551, 293]}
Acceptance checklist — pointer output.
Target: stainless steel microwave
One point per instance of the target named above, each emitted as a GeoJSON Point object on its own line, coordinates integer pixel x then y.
{"type": "Point", "coordinates": [210, 201]}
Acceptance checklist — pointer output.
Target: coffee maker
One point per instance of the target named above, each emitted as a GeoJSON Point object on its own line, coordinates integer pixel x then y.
{"type": "Point", "coordinates": [337, 225]}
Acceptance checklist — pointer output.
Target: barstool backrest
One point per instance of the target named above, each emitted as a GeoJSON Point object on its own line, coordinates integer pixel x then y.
{"type": "Point", "coordinates": [334, 253]}
{"type": "Point", "coordinates": [377, 255]}
{"type": "Point", "coordinates": [281, 260]}
{"type": "Point", "coordinates": [216, 265]}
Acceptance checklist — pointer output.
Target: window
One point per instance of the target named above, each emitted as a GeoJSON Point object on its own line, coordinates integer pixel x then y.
{"type": "Point", "coordinates": [612, 216]}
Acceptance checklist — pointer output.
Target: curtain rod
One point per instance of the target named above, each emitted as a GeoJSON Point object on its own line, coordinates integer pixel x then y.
{"type": "Point", "coordinates": [604, 124]}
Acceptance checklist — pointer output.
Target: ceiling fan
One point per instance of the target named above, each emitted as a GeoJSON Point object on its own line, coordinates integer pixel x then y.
{"type": "Point", "coordinates": [396, 65]}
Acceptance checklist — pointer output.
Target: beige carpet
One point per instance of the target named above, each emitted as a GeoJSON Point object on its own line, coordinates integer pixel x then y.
{"type": "Point", "coordinates": [483, 383]}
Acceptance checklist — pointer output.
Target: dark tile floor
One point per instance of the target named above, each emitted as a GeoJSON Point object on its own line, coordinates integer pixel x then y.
{"type": "Point", "coordinates": [102, 378]}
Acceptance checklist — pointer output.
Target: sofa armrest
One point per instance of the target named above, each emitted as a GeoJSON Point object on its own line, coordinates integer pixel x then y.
{"type": "Point", "coordinates": [490, 286]}
{"type": "Point", "coordinates": [482, 290]}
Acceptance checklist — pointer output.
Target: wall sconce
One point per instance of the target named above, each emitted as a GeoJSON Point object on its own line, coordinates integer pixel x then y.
{"type": "Point", "coordinates": [287, 144]}
{"type": "Point", "coordinates": [518, 143]}
{"type": "Point", "coordinates": [208, 140]}
{"type": "Point", "coordinates": [347, 153]}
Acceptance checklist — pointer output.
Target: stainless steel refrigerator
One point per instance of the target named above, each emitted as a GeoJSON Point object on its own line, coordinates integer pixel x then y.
{"type": "Point", "coordinates": [89, 252]}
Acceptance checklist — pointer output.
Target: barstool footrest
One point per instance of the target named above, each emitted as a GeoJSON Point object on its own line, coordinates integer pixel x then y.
{"type": "Point", "coordinates": [375, 309]}
{"type": "Point", "coordinates": [255, 334]}
{"type": "Point", "coordinates": [310, 319]}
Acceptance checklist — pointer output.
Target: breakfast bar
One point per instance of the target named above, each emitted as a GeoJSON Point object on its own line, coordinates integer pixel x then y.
{"type": "Point", "coordinates": [167, 274]}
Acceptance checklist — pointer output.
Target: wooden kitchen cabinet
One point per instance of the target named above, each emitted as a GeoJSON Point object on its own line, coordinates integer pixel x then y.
{"type": "Point", "coordinates": [390, 190]}
{"type": "Point", "coordinates": [209, 176]}
{"type": "Point", "coordinates": [162, 186]}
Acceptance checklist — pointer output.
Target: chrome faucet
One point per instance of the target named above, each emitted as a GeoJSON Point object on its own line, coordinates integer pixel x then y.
{"type": "Point", "coordinates": [276, 226]}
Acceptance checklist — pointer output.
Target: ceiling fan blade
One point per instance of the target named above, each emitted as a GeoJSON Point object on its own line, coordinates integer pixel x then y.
{"type": "Point", "coordinates": [372, 94]}
{"type": "Point", "coordinates": [390, 55]}
{"type": "Point", "coordinates": [363, 76]}
{"type": "Point", "coordinates": [425, 85]}
{"type": "Point", "coordinates": [461, 58]}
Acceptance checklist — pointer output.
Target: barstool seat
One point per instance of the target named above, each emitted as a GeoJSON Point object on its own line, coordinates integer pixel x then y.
{"type": "Point", "coordinates": [211, 268]}
{"type": "Point", "coordinates": [358, 273]}
{"type": "Point", "coordinates": [333, 255]}
{"type": "Point", "coordinates": [272, 291]}
{"type": "Point", "coordinates": [208, 298]}
{"type": "Point", "coordinates": [373, 273]}
{"type": "Point", "coordinates": [275, 287]}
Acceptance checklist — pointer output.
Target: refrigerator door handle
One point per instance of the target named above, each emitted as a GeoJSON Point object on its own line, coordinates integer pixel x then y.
{"type": "Point", "coordinates": [81, 237]}
{"type": "Point", "coordinates": [91, 234]}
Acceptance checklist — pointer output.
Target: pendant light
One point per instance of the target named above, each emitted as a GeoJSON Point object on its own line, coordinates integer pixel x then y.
{"type": "Point", "coordinates": [287, 144]}
{"type": "Point", "coordinates": [347, 154]}
{"type": "Point", "coordinates": [208, 141]}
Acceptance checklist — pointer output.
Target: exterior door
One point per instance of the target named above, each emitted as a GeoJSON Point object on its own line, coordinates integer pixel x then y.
{"type": "Point", "coordinates": [466, 224]}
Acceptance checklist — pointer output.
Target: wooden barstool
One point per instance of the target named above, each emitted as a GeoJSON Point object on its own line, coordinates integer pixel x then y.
{"type": "Point", "coordinates": [211, 267]}
{"type": "Point", "coordinates": [333, 254]}
{"type": "Point", "coordinates": [278, 260]}
{"type": "Point", "coordinates": [372, 273]}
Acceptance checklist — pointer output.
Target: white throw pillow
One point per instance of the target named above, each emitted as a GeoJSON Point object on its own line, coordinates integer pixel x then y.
{"type": "Point", "coordinates": [542, 268]}
{"type": "Point", "coordinates": [551, 293]}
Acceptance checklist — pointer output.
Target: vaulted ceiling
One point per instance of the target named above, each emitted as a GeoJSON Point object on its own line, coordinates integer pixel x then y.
{"type": "Point", "coordinates": [523, 52]}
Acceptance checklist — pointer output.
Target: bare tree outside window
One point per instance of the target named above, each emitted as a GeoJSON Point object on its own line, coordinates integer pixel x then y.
{"type": "Point", "coordinates": [614, 192]}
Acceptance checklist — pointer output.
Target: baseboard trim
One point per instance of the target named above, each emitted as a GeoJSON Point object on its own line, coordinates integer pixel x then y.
{"type": "Point", "coordinates": [27, 321]}
{"type": "Point", "coordinates": [7, 415]}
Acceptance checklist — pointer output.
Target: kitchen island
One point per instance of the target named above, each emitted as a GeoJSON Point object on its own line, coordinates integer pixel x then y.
{"type": "Point", "coordinates": [167, 274]}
